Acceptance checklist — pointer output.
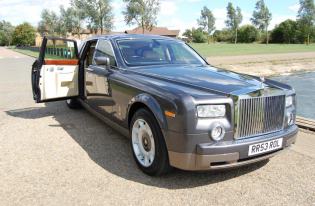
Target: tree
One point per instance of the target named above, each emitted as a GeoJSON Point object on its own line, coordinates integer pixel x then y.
{"type": "Point", "coordinates": [306, 18]}
{"type": "Point", "coordinates": [6, 32]}
{"type": "Point", "coordinates": [65, 20]}
{"type": "Point", "coordinates": [141, 12]}
{"type": "Point", "coordinates": [234, 19]}
{"type": "Point", "coordinates": [247, 34]}
{"type": "Point", "coordinates": [77, 15]}
{"type": "Point", "coordinates": [262, 17]}
{"type": "Point", "coordinates": [48, 22]}
{"type": "Point", "coordinates": [207, 21]}
{"type": "Point", "coordinates": [99, 13]}
{"type": "Point", "coordinates": [53, 24]}
{"type": "Point", "coordinates": [24, 34]}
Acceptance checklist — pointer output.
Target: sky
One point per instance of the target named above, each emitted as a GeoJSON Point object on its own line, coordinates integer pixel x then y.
{"type": "Point", "coordinates": [174, 14]}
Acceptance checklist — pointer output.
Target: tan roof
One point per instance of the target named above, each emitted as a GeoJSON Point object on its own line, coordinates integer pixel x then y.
{"type": "Point", "coordinates": [163, 31]}
{"type": "Point", "coordinates": [88, 31]}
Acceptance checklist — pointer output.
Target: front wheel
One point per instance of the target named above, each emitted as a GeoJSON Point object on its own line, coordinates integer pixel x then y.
{"type": "Point", "coordinates": [73, 104]}
{"type": "Point", "coordinates": [148, 145]}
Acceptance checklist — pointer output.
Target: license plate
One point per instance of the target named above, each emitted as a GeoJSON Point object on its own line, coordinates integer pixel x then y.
{"type": "Point", "coordinates": [264, 147]}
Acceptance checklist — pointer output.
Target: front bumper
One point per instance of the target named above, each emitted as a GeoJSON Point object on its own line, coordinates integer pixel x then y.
{"type": "Point", "coordinates": [229, 154]}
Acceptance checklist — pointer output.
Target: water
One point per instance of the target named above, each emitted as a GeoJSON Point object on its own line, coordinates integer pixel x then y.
{"type": "Point", "coordinates": [304, 85]}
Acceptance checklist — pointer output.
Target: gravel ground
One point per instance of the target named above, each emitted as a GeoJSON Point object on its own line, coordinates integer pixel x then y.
{"type": "Point", "coordinates": [51, 155]}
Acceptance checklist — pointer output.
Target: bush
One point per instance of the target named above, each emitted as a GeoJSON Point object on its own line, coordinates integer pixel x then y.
{"type": "Point", "coordinates": [301, 36]}
{"type": "Point", "coordinates": [24, 34]}
{"type": "Point", "coordinates": [188, 35]}
{"type": "Point", "coordinates": [224, 35]}
{"type": "Point", "coordinates": [247, 34]}
{"type": "Point", "coordinates": [3, 38]}
{"type": "Point", "coordinates": [198, 36]}
{"type": "Point", "coordinates": [286, 32]}
{"type": "Point", "coordinates": [290, 32]}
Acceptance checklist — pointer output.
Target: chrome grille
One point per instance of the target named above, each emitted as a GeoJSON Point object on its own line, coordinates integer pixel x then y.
{"type": "Point", "coordinates": [259, 115]}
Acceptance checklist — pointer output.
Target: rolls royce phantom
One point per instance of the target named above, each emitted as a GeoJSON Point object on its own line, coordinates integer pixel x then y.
{"type": "Point", "coordinates": [177, 110]}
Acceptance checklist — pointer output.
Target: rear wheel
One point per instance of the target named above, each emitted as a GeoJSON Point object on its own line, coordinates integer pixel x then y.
{"type": "Point", "coordinates": [73, 104]}
{"type": "Point", "coordinates": [148, 145]}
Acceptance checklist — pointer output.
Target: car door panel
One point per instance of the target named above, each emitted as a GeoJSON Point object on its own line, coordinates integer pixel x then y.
{"type": "Point", "coordinates": [58, 81]}
{"type": "Point", "coordinates": [98, 83]}
{"type": "Point", "coordinates": [97, 90]}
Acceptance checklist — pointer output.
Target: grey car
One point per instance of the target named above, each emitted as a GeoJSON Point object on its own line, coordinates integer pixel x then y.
{"type": "Point", "coordinates": [176, 109]}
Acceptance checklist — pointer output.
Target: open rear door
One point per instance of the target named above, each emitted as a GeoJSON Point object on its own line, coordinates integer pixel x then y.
{"type": "Point", "coordinates": [55, 74]}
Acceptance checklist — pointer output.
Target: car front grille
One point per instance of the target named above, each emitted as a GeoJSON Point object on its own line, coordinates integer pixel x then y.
{"type": "Point", "coordinates": [259, 115]}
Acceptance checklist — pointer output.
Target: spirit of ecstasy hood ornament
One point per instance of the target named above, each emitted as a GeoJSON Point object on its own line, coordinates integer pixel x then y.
{"type": "Point", "coordinates": [262, 80]}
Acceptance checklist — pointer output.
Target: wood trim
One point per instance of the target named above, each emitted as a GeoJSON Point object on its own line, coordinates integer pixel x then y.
{"type": "Point", "coordinates": [61, 62]}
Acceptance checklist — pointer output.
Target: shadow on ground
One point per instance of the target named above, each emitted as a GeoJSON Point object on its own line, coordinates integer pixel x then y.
{"type": "Point", "coordinates": [112, 152]}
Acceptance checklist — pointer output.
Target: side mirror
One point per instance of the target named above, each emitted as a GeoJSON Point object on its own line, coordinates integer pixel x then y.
{"type": "Point", "coordinates": [102, 61]}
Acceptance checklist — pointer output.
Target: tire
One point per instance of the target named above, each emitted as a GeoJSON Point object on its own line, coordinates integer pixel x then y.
{"type": "Point", "coordinates": [73, 104]}
{"type": "Point", "coordinates": [142, 152]}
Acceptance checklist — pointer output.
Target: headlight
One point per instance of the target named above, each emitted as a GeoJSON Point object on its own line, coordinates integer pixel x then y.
{"type": "Point", "coordinates": [211, 111]}
{"type": "Point", "coordinates": [288, 101]}
{"type": "Point", "coordinates": [290, 119]}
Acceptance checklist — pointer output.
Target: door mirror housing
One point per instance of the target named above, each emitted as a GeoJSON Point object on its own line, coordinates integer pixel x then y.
{"type": "Point", "coordinates": [102, 61]}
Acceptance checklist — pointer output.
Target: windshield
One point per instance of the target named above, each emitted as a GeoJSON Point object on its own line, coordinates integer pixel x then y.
{"type": "Point", "coordinates": [140, 52]}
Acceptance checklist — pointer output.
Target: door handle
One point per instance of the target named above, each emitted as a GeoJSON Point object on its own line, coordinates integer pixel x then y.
{"type": "Point", "coordinates": [89, 69]}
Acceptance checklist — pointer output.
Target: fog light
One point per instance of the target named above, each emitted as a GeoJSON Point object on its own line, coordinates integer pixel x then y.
{"type": "Point", "coordinates": [217, 132]}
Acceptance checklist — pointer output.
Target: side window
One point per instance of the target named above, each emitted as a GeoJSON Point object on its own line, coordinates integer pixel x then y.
{"type": "Point", "coordinates": [57, 49]}
{"type": "Point", "coordinates": [104, 49]}
{"type": "Point", "coordinates": [90, 54]}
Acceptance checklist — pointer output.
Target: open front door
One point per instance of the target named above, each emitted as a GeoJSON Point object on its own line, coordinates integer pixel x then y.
{"type": "Point", "coordinates": [55, 74]}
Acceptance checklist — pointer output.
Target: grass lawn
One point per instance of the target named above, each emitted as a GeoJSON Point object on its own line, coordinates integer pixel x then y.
{"type": "Point", "coordinates": [27, 52]}
{"type": "Point", "coordinates": [221, 49]}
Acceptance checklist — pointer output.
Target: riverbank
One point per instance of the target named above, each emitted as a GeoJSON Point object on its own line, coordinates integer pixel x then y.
{"type": "Point", "coordinates": [266, 64]}
{"type": "Point", "coordinates": [304, 84]}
